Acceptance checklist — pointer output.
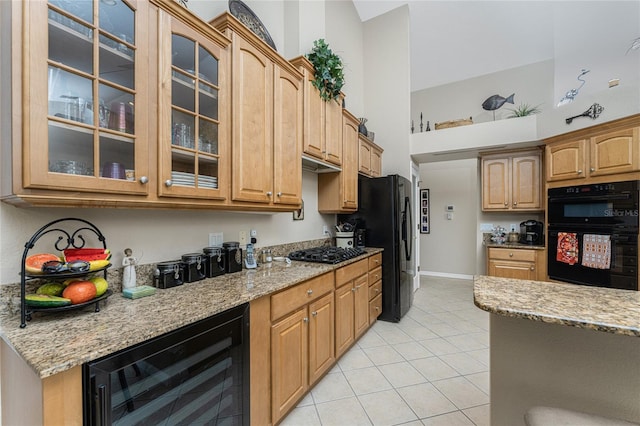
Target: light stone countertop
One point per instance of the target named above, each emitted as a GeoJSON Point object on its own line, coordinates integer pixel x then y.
{"type": "Point", "coordinates": [54, 342]}
{"type": "Point", "coordinates": [596, 308]}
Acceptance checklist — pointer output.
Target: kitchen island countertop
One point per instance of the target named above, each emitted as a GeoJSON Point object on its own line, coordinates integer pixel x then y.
{"type": "Point", "coordinates": [52, 343]}
{"type": "Point", "coordinates": [597, 308]}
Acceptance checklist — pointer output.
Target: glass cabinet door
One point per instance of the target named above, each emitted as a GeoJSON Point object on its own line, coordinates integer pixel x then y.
{"type": "Point", "coordinates": [192, 139]}
{"type": "Point", "coordinates": [85, 84]}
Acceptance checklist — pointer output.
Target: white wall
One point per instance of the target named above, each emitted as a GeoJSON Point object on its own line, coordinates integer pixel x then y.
{"type": "Point", "coordinates": [387, 87]}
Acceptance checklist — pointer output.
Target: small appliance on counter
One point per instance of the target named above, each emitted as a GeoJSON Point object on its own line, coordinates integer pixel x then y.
{"type": "Point", "coordinates": [532, 232]}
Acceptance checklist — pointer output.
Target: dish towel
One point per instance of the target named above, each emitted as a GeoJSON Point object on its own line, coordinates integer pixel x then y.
{"type": "Point", "coordinates": [597, 251]}
{"type": "Point", "coordinates": [567, 250]}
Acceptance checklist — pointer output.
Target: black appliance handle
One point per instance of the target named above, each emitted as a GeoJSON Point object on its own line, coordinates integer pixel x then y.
{"type": "Point", "coordinates": [590, 198]}
{"type": "Point", "coordinates": [101, 406]}
{"type": "Point", "coordinates": [407, 241]}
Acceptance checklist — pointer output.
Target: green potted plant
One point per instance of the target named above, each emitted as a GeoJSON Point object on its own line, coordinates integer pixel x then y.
{"type": "Point", "coordinates": [329, 76]}
{"type": "Point", "coordinates": [523, 110]}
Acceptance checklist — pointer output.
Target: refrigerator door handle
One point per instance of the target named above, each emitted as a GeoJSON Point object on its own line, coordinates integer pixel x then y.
{"type": "Point", "coordinates": [407, 241]}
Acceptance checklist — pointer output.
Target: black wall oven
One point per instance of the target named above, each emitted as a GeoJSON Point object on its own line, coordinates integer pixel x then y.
{"type": "Point", "coordinates": [593, 234]}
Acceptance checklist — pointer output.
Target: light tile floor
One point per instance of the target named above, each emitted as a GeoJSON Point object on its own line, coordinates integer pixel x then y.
{"type": "Point", "coordinates": [431, 368]}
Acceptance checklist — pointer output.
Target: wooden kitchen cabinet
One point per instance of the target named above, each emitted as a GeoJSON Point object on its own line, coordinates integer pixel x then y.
{"type": "Point", "coordinates": [511, 181]}
{"type": "Point", "coordinates": [302, 341]}
{"type": "Point", "coordinates": [609, 149]}
{"type": "Point", "coordinates": [322, 128]}
{"type": "Point", "coordinates": [375, 287]}
{"type": "Point", "coordinates": [517, 263]}
{"type": "Point", "coordinates": [352, 304]}
{"type": "Point", "coordinates": [338, 191]}
{"type": "Point", "coordinates": [266, 120]}
{"type": "Point", "coordinates": [369, 157]}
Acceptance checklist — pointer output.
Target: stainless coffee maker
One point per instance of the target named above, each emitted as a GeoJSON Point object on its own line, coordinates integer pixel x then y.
{"type": "Point", "coordinates": [532, 232]}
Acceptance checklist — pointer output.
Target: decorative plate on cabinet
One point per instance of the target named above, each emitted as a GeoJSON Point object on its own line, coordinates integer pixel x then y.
{"type": "Point", "coordinates": [245, 15]}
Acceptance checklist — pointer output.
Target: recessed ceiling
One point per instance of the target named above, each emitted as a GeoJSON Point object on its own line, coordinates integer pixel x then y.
{"type": "Point", "coordinates": [458, 40]}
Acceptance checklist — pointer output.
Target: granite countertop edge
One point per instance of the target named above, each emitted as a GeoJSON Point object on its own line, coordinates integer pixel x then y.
{"type": "Point", "coordinates": [595, 308]}
{"type": "Point", "coordinates": [53, 343]}
{"type": "Point", "coordinates": [514, 246]}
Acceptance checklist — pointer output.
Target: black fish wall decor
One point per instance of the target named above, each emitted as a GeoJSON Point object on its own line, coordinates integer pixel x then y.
{"type": "Point", "coordinates": [494, 102]}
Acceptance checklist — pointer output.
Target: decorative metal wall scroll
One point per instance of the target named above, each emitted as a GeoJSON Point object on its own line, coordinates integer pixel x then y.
{"type": "Point", "coordinates": [594, 112]}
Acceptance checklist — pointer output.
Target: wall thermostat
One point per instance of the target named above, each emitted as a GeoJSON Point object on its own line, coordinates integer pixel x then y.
{"type": "Point", "coordinates": [449, 207]}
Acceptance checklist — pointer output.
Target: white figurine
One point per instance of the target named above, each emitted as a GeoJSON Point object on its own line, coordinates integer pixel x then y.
{"type": "Point", "coordinates": [129, 271]}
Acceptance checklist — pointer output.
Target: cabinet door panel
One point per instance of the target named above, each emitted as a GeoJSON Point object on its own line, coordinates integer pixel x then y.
{"type": "Point", "coordinates": [344, 318]}
{"type": "Point", "coordinates": [361, 305]}
{"type": "Point", "coordinates": [314, 126]}
{"type": "Point", "coordinates": [86, 123]}
{"type": "Point", "coordinates": [525, 182]}
{"type": "Point", "coordinates": [287, 167]}
{"type": "Point", "coordinates": [617, 152]}
{"type": "Point", "coordinates": [364, 157]}
{"type": "Point", "coordinates": [289, 362]}
{"type": "Point", "coordinates": [495, 186]}
{"type": "Point", "coordinates": [333, 131]}
{"type": "Point", "coordinates": [566, 160]}
{"type": "Point", "coordinates": [376, 163]}
{"type": "Point", "coordinates": [321, 337]}
{"type": "Point", "coordinates": [350, 165]}
{"type": "Point", "coordinates": [252, 124]}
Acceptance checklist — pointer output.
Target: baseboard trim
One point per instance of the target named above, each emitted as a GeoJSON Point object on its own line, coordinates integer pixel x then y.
{"type": "Point", "coordinates": [446, 275]}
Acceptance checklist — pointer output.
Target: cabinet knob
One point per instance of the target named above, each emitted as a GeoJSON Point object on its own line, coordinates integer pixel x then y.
{"type": "Point", "coordinates": [305, 319]}
{"type": "Point", "coordinates": [279, 194]}
{"type": "Point", "coordinates": [377, 308]}
{"type": "Point", "coordinates": [510, 254]}
{"type": "Point", "coordinates": [515, 203]}
{"type": "Point", "coordinates": [144, 179]}
{"type": "Point", "coordinates": [353, 289]}
{"type": "Point", "coordinates": [309, 292]}
{"type": "Point", "coordinates": [314, 313]}
{"type": "Point", "coordinates": [506, 204]}
{"type": "Point", "coordinates": [592, 169]}
{"type": "Point", "coordinates": [377, 290]}
{"type": "Point", "coordinates": [579, 172]}
{"type": "Point", "coordinates": [532, 268]}
{"type": "Point", "coordinates": [168, 182]}
{"type": "Point", "coordinates": [269, 193]}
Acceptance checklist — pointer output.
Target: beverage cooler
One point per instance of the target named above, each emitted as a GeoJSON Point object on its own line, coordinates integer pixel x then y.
{"type": "Point", "coordinates": [197, 374]}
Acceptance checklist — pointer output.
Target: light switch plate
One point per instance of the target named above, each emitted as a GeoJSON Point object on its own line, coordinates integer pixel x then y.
{"type": "Point", "coordinates": [486, 227]}
{"type": "Point", "coordinates": [216, 239]}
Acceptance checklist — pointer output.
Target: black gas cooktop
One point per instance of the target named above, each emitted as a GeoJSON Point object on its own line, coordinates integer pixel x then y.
{"type": "Point", "coordinates": [326, 254]}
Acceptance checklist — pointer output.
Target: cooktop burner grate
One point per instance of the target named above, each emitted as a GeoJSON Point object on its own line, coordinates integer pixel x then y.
{"type": "Point", "coordinates": [326, 254]}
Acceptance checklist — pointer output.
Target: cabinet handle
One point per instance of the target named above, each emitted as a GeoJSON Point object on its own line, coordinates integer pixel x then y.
{"type": "Point", "coordinates": [532, 268]}
{"type": "Point", "coordinates": [377, 309]}
{"type": "Point", "coordinates": [592, 169]}
{"type": "Point", "coordinates": [314, 313]}
{"type": "Point", "coordinates": [144, 179]}
{"type": "Point", "coordinates": [305, 319]}
{"type": "Point", "coordinates": [353, 289]}
{"type": "Point", "coordinates": [510, 254]}
{"type": "Point", "coordinates": [506, 204]}
{"type": "Point", "coordinates": [168, 182]}
{"type": "Point", "coordinates": [279, 194]}
{"type": "Point", "coordinates": [377, 290]}
{"type": "Point", "coordinates": [515, 203]}
{"type": "Point", "coordinates": [579, 172]}
{"type": "Point", "coordinates": [269, 193]}
{"type": "Point", "coordinates": [309, 292]}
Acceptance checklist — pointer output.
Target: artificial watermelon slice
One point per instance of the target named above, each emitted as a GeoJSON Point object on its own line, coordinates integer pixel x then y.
{"type": "Point", "coordinates": [87, 254]}
{"type": "Point", "coordinates": [33, 264]}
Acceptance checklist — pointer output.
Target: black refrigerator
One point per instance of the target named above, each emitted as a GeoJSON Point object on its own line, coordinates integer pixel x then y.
{"type": "Point", "coordinates": [385, 213]}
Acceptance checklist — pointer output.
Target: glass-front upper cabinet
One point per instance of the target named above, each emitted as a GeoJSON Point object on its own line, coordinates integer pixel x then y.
{"type": "Point", "coordinates": [85, 112]}
{"type": "Point", "coordinates": [193, 143]}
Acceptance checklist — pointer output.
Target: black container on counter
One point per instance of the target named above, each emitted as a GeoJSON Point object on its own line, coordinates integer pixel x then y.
{"type": "Point", "coordinates": [193, 266]}
{"type": "Point", "coordinates": [168, 274]}
{"type": "Point", "coordinates": [233, 256]}
{"type": "Point", "coordinates": [216, 261]}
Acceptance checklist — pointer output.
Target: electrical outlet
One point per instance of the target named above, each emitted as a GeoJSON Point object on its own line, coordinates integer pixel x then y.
{"type": "Point", "coordinates": [216, 239]}
{"type": "Point", "coordinates": [325, 230]}
{"type": "Point", "coordinates": [513, 227]}
{"type": "Point", "coordinates": [253, 233]}
{"type": "Point", "coordinates": [242, 238]}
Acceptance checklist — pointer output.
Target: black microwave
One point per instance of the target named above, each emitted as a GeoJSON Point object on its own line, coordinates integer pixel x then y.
{"type": "Point", "coordinates": [612, 204]}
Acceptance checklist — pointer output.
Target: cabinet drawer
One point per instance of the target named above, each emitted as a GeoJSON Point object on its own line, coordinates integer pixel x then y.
{"type": "Point", "coordinates": [292, 298]}
{"type": "Point", "coordinates": [349, 272]}
{"type": "Point", "coordinates": [512, 254]}
{"type": "Point", "coordinates": [375, 275]}
{"type": "Point", "coordinates": [375, 261]}
{"type": "Point", "coordinates": [375, 308]}
{"type": "Point", "coordinates": [375, 289]}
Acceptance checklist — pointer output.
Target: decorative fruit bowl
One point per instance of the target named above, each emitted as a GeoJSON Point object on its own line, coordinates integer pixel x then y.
{"type": "Point", "coordinates": [95, 300]}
